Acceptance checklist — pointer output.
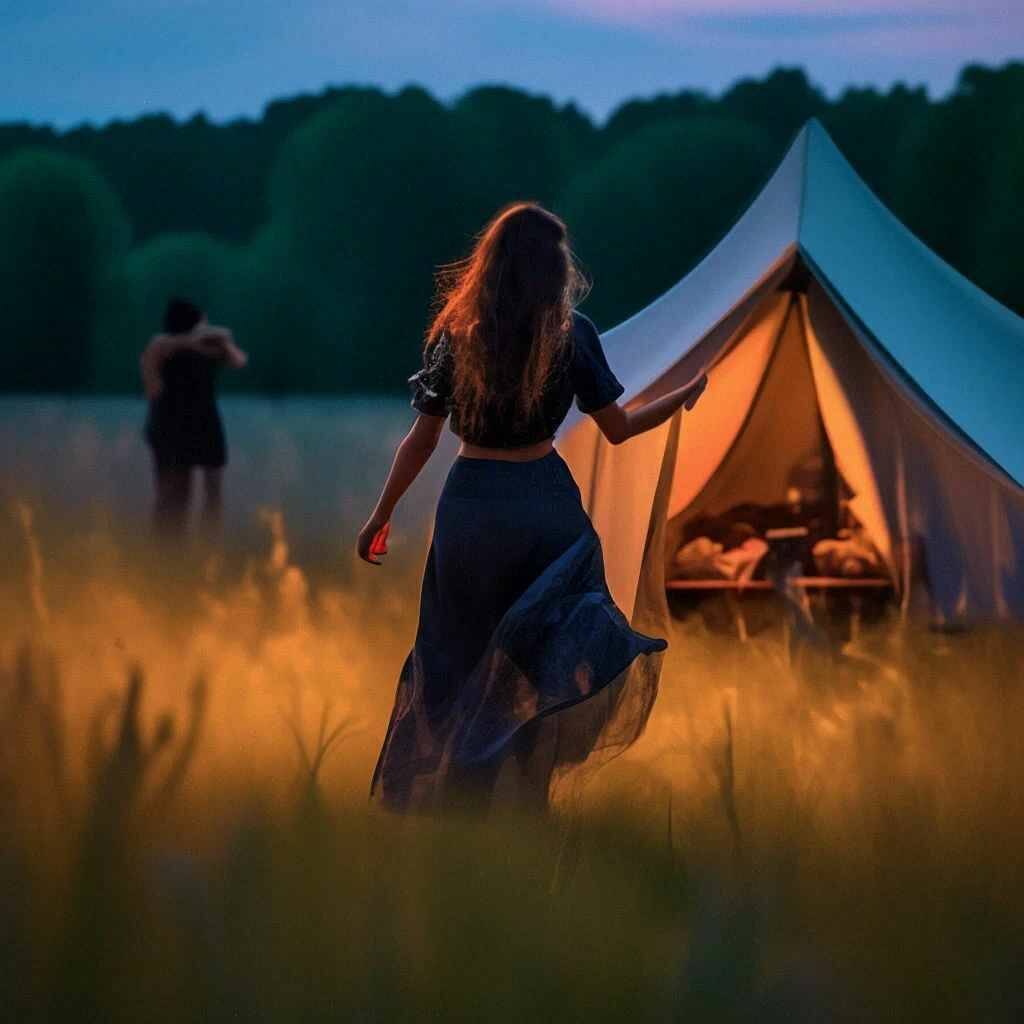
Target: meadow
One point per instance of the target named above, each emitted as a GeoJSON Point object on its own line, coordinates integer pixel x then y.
{"type": "Point", "coordinates": [186, 741]}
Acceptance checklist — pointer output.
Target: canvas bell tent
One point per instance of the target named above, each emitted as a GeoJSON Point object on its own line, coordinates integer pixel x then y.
{"type": "Point", "coordinates": [846, 362]}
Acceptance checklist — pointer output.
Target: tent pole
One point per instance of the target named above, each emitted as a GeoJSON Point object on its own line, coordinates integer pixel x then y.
{"type": "Point", "coordinates": [595, 465]}
{"type": "Point", "coordinates": [904, 521]}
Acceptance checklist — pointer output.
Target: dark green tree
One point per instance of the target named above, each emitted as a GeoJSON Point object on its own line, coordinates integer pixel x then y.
{"type": "Point", "coordinates": [367, 199]}
{"type": "Point", "coordinates": [516, 146]}
{"type": "Point", "coordinates": [873, 129]}
{"type": "Point", "coordinates": [631, 116]}
{"type": "Point", "coordinates": [151, 162]}
{"type": "Point", "coordinates": [777, 104]}
{"type": "Point", "coordinates": [315, 229]}
{"type": "Point", "coordinates": [948, 183]}
{"type": "Point", "coordinates": [277, 313]}
{"type": "Point", "coordinates": [645, 214]}
{"type": "Point", "coordinates": [998, 240]}
{"type": "Point", "coordinates": [62, 230]}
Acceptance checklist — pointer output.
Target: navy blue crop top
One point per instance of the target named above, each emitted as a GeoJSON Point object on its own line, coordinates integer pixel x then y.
{"type": "Point", "coordinates": [584, 374]}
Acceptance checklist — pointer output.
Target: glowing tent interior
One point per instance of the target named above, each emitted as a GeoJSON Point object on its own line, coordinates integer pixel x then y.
{"type": "Point", "coordinates": [855, 378]}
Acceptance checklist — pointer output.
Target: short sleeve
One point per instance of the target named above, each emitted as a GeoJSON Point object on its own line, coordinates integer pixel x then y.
{"type": "Point", "coordinates": [592, 379]}
{"type": "Point", "coordinates": [431, 386]}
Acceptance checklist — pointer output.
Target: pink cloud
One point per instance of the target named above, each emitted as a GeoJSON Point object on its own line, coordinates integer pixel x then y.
{"type": "Point", "coordinates": [798, 30]}
{"type": "Point", "coordinates": [651, 13]}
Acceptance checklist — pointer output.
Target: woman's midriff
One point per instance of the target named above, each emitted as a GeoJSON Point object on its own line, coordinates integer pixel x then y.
{"type": "Point", "coordinates": [524, 454]}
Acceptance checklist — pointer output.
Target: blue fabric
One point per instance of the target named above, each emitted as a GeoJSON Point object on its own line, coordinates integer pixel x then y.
{"type": "Point", "coordinates": [516, 624]}
{"type": "Point", "coordinates": [584, 375]}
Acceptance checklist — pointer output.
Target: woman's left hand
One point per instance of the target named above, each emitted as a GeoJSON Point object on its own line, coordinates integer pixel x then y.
{"type": "Point", "coordinates": [373, 540]}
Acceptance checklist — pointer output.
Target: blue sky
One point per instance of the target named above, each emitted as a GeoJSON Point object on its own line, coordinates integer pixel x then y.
{"type": "Point", "coordinates": [66, 61]}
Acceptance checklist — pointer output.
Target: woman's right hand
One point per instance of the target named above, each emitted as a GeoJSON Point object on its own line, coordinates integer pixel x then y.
{"type": "Point", "coordinates": [373, 540]}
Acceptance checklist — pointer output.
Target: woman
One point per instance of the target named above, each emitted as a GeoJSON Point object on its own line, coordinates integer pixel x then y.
{"type": "Point", "coordinates": [183, 427]}
{"type": "Point", "coordinates": [517, 630]}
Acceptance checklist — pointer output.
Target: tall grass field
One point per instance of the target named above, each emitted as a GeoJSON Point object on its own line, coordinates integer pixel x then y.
{"type": "Point", "coordinates": [187, 737]}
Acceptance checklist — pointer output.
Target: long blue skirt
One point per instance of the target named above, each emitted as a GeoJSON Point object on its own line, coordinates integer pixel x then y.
{"type": "Point", "coordinates": [523, 667]}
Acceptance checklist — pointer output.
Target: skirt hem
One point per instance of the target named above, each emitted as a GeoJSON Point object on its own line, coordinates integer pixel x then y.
{"type": "Point", "coordinates": [570, 702]}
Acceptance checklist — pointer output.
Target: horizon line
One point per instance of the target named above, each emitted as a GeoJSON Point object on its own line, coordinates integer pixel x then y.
{"type": "Point", "coordinates": [201, 113]}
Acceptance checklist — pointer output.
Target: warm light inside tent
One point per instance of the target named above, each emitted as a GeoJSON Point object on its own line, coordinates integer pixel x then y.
{"type": "Point", "coordinates": [776, 457]}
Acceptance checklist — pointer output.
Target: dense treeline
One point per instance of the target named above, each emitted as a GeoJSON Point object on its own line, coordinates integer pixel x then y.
{"type": "Point", "coordinates": [314, 231]}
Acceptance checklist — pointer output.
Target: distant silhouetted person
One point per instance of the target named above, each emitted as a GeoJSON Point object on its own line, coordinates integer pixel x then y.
{"type": "Point", "coordinates": [183, 427]}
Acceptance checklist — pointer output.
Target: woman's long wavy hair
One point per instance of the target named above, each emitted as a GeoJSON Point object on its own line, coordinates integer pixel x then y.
{"type": "Point", "coordinates": [507, 312]}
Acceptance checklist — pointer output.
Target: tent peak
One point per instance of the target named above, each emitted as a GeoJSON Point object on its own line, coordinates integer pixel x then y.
{"type": "Point", "coordinates": [812, 127]}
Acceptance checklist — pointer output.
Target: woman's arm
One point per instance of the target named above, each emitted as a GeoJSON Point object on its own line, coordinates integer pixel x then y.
{"type": "Point", "coordinates": [214, 340]}
{"type": "Point", "coordinates": [618, 424]}
{"type": "Point", "coordinates": [413, 452]}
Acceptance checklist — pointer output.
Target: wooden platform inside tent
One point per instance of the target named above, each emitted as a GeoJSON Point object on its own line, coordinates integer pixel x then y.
{"type": "Point", "coordinates": [802, 582]}
{"type": "Point", "coordinates": [809, 589]}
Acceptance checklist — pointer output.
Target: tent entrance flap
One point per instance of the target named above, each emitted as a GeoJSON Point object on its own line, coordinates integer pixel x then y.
{"type": "Point", "coordinates": [762, 458]}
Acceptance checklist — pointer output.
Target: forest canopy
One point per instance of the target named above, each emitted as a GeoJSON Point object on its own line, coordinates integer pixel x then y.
{"type": "Point", "coordinates": [315, 230]}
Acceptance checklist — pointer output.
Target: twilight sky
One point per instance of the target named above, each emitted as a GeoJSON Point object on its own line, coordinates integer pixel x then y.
{"type": "Point", "coordinates": [66, 61]}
